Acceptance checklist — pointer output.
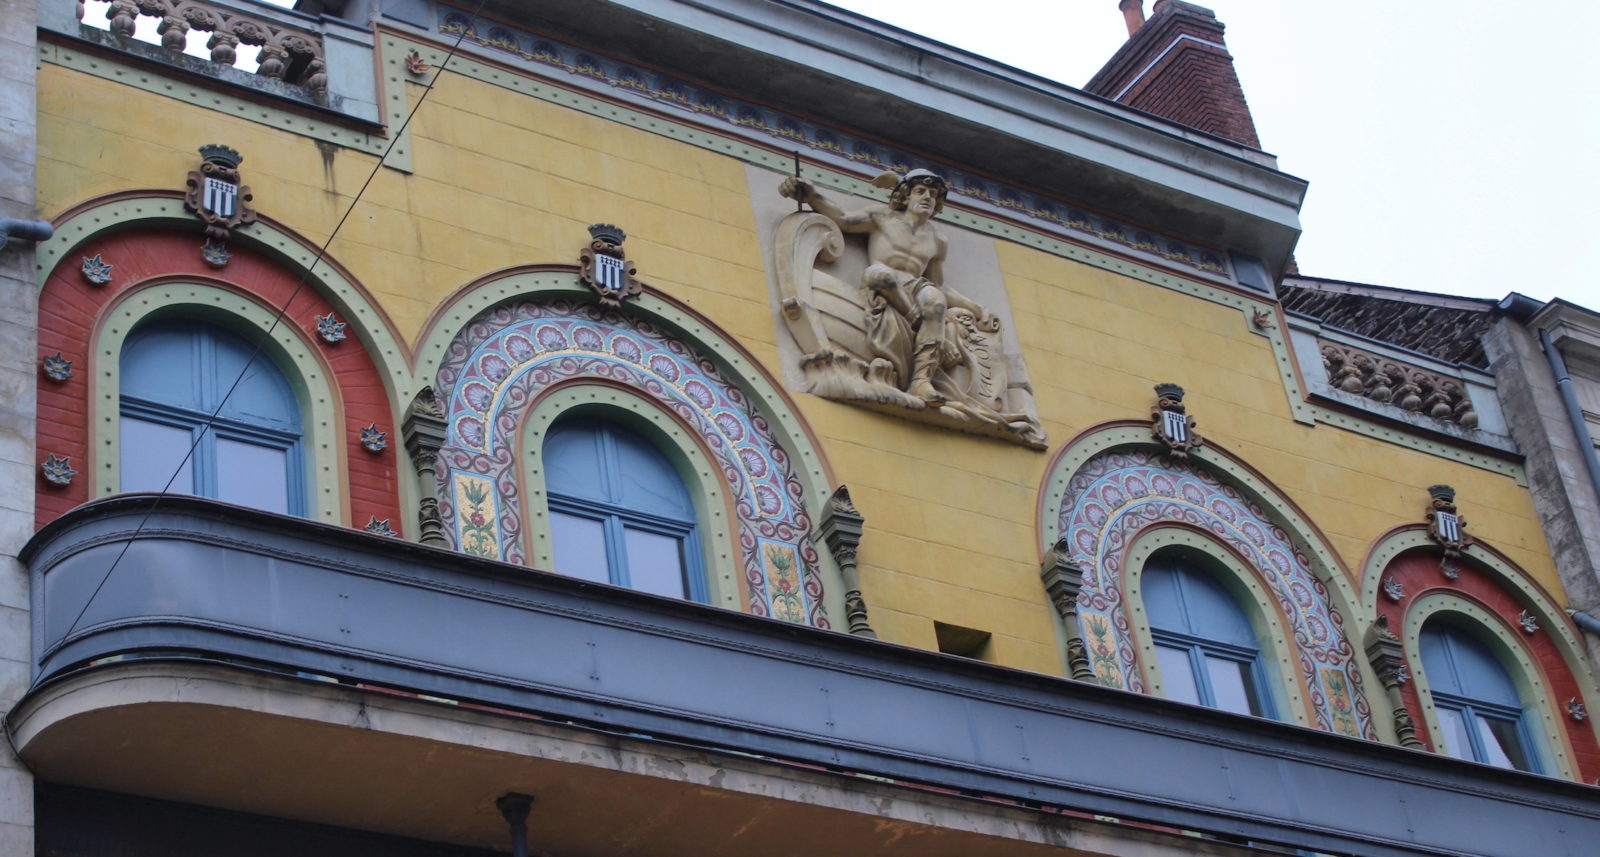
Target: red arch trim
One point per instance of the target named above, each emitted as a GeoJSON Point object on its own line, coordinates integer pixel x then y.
{"type": "Point", "coordinates": [1419, 573]}
{"type": "Point", "coordinates": [70, 312]}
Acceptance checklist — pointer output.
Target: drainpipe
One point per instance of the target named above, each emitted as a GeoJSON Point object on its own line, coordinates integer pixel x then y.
{"type": "Point", "coordinates": [1586, 622]}
{"type": "Point", "coordinates": [24, 230]}
{"type": "Point", "coordinates": [1580, 428]}
{"type": "Point", "coordinates": [514, 808]}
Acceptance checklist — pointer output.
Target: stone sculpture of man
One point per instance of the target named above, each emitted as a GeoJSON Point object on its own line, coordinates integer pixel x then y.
{"type": "Point", "coordinates": [908, 329]}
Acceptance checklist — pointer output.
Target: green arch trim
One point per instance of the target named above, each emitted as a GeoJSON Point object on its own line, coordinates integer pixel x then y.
{"type": "Point", "coordinates": [1547, 725]}
{"type": "Point", "coordinates": [722, 573]}
{"type": "Point", "coordinates": [529, 283]}
{"type": "Point", "coordinates": [1277, 650]}
{"type": "Point", "coordinates": [311, 378]}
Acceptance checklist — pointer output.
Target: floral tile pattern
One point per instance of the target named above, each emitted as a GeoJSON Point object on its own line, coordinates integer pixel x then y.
{"type": "Point", "coordinates": [504, 359]}
{"type": "Point", "coordinates": [1118, 494]}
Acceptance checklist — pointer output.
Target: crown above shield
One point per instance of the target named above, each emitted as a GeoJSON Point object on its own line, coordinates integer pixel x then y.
{"type": "Point", "coordinates": [608, 233]}
{"type": "Point", "coordinates": [216, 153]}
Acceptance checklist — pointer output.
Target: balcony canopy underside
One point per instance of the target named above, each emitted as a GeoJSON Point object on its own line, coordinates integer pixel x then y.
{"type": "Point", "coordinates": [210, 583]}
{"type": "Point", "coordinates": [237, 739]}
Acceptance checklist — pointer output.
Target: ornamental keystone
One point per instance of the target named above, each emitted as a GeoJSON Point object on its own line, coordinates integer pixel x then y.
{"type": "Point", "coordinates": [1171, 424]}
{"type": "Point", "coordinates": [605, 268]}
{"type": "Point", "coordinates": [1445, 525]}
{"type": "Point", "coordinates": [216, 196]}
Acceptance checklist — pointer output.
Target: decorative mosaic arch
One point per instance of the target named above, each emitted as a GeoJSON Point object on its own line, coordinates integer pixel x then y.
{"type": "Point", "coordinates": [1120, 493]}
{"type": "Point", "coordinates": [502, 361]}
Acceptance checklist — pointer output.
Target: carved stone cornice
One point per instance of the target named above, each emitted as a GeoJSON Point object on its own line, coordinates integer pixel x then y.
{"type": "Point", "coordinates": [1389, 381]}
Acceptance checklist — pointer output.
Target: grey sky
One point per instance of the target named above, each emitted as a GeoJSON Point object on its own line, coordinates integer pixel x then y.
{"type": "Point", "coordinates": [1450, 147]}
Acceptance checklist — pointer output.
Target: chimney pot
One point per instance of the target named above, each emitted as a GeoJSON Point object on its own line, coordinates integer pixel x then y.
{"type": "Point", "coordinates": [1133, 13]}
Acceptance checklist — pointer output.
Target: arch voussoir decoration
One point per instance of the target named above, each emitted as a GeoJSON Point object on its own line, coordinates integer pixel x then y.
{"type": "Point", "coordinates": [1117, 488]}
{"type": "Point", "coordinates": [509, 355]}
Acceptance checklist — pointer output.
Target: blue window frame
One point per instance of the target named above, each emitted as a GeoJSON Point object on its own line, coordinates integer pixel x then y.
{"type": "Point", "coordinates": [619, 511]}
{"type": "Point", "coordinates": [1206, 650]}
{"type": "Point", "coordinates": [174, 376]}
{"type": "Point", "coordinates": [1479, 710]}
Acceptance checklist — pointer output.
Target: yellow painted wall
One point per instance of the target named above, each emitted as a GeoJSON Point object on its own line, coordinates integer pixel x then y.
{"type": "Point", "coordinates": [502, 179]}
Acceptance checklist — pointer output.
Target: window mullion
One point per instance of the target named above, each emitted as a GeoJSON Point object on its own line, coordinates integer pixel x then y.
{"type": "Point", "coordinates": [1202, 676]}
{"type": "Point", "coordinates": [616, 551]}
{"type": "Point", "coordinates": [203, 460]}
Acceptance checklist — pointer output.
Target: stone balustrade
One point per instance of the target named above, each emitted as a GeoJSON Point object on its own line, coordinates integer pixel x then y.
{"type": "Point", "coordinates": [290, 55]}
{"type": "Point", "coordinates": [1389, 381]}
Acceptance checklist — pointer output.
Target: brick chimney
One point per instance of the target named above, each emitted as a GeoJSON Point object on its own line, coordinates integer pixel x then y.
{"type": "Point", "coordinates": [1176, 66]}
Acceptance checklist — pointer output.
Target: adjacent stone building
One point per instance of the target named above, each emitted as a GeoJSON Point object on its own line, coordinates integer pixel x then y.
{"type": "Point", "coordinates": [741, 427]}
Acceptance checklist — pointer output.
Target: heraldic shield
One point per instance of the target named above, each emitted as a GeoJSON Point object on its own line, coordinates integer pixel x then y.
{"type": "Point", "coordinates": [215, 194]}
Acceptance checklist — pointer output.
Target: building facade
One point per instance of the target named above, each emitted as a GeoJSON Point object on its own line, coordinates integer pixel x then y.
{"type": "Point", "coordinates": [731, 427]}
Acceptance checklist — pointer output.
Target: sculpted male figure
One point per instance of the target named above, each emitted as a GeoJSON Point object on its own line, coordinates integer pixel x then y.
{"type": "Point", "coordinates": [908, 328]}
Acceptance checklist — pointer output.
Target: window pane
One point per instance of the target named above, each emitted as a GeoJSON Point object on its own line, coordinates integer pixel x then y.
{"type": "Point", "coordinates": [1232, 686]}
{"type": "Point", "coordinates": [1456, 741]}
{"type": "Point", "coordinates": [1177, 674]}
{"type": "Point", "coordinates": [572, 462]}
{"type": "Point", "coordinates": [252, 475]}
{"type": "Point", "coordinates": [647, 480]}
{"type": "Point", "coordinates": [655, 563]}
{"type": "Point", "coordinates": [580, 545]}
{"type": "Point", "coordinates": [1502, 744]}
{"type": "Point", "coordinates": [151, 452]}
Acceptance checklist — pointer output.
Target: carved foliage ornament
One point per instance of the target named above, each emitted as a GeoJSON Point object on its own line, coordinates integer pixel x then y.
{"type": "Point", "coordinates": [1390, 382]}
{"type": "Point", "coordinates": [605, 268]}
{"type": "Point", "coordinates": [895, 336]}
{"type": "Point", "coordinates": [1171, 424]}
{"type": "Point", "coordinates": [215, 194]}
{"type": "Point", "coordinates": [1445, 525]}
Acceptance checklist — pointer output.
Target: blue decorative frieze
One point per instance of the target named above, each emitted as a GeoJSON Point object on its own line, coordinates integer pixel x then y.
{"type": "Point", "coordinates": [753, 120]}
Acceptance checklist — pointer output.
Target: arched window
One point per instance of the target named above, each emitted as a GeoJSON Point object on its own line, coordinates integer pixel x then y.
{"type": "Point", "coordinates": [1479, 711]}
{"type": "Point", "coordinates": [619, 511]}
{"type": "Point", "coordinates": [174, 376]}
{"type": "Point", "coordinates": [1206, 650]}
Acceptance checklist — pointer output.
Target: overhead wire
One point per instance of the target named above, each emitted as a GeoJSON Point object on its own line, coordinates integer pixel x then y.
{"type": "Point", "coordinates": [394, 139]}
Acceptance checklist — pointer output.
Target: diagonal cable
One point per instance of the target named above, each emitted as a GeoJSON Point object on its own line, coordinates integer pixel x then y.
{"type": "Point", "coordinates": [282, 312]}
